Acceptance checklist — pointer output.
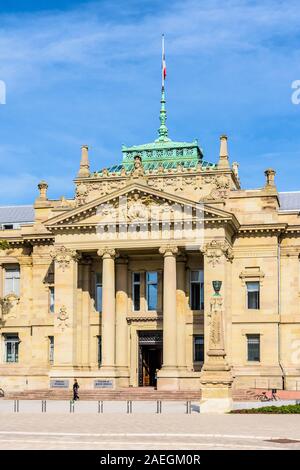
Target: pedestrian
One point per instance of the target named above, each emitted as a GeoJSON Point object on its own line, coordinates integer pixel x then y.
{"type": "Point", "coordinates": [75, 390]}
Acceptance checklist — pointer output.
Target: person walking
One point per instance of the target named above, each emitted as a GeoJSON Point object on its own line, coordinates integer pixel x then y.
{"type": "Point", "coordinates": [75, 390]}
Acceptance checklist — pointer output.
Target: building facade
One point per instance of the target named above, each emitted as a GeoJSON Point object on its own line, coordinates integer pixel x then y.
{"type": "Point", "coordinates": [117, 286]}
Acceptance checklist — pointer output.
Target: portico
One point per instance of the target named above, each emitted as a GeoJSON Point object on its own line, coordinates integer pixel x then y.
{"type": "Point", "coordinates": [121, 323]}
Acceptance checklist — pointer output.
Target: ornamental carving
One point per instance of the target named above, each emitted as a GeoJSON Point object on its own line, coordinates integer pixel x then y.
{"type": "Point", "coordinates": [138, 169]}
{"type": "Point", "coordinates": [81, 193]}
{"type": "Point", "coordinates": [168, 250]}
{"type": "Point", "coordinates": [215, 249]}
{"type": "Point", "coordinates": [63, 318]}
{"type": "Point", "coordinates": [221, 187]}
{"type": "Point", "coordinates": [138, 207]}
{"type": "Point", "coordinates": [63, 256]}
{"type": "Point", "coordinates": [216, 333]}
{"type": "Point", "coordinates": [107, 252]}
{"type": "Point", "coordinates": [9, 304]}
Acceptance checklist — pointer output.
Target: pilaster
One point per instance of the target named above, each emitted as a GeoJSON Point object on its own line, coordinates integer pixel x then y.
{"type": "Point", "coordinates": [121, 322]}
{"type": "Point", "coordinates": [65, 321]}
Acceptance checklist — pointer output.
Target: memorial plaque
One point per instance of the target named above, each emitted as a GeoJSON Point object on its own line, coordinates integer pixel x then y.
{"type": "Point", "coordinates": [103, 384]}
{"type": "Point", "coordinates": [59, 384]}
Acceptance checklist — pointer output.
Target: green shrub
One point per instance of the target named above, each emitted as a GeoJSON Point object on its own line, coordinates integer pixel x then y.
{"type": "Point", "coordinates": [293, 409]}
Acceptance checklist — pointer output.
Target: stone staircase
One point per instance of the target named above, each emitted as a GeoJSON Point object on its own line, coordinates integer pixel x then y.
{"type": "Point", "coordinates": [134, 394]}
{"type": "Point", "coordinates": [140, 394]}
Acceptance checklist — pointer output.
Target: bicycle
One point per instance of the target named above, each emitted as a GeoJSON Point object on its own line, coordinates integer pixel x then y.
{"type": "Point", "coordinates": [264, 397]}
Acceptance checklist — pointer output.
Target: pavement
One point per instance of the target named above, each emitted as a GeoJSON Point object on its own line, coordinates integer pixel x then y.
{"type": "Point", "coordinates": [144, 429]}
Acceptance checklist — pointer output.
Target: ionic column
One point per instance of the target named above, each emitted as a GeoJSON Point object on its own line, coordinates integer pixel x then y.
{"type": "Point", "coordinates": [121, 322]}
{"type": "Point", "coordinates": [85, 312]}
{"type": "Point", "coordinates": [169, 308]}
{"type": "Point", "coordinates": [108, 335]}
{"type": "Point", "coordinates": [181, 313]}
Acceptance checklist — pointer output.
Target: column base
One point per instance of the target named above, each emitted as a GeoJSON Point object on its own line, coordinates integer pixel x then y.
{"type": "Point", "coordinates": [216, 397]}
{"type": "Point", "coordinates": [216, 405]}
{"type": "Point", "coordinates": [168, 379]}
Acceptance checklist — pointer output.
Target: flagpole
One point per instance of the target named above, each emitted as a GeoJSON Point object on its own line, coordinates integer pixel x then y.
{"type": "Point", "coordinates": [162, 61]}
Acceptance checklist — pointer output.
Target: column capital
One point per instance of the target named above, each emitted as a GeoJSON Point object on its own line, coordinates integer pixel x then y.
{"type": "Point", "coordinates": [63, 256]}
{"type": "Point", "coordinates": [107, 252]}
{"type": "Point", "coordinates": [215, 249]}
{"type": "Point", "coordinates": [168, 250]}
{"type": "Point", "coordinates": [25, 260]}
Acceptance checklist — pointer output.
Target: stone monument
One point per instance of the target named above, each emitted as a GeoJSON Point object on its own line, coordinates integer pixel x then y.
{"type": "Point", "coordinates": [216, 378]}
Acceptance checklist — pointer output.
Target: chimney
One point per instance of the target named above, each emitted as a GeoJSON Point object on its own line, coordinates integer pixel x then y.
{"type": "Point", "coordinates": [84, 170]}
{"type": "Point", "coordinates": [270, 179]}
{"type": "Point", "coordinates": [43, 186]}
{"type": "Point", "coordinates": [223, 160]}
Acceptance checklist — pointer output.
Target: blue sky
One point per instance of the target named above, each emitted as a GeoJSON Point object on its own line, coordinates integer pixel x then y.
{"type": "Point", "coordinates": [80, 72]}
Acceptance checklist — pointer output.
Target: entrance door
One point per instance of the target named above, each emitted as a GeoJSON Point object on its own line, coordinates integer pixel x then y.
{"type": "Point", "coordinates": [150, 357]}
{"type": "Point", "coordinates": [151, 362]}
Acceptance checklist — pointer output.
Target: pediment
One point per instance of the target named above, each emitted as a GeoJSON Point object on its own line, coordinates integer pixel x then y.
{"type": "Point", "coordinates": [135, 204]}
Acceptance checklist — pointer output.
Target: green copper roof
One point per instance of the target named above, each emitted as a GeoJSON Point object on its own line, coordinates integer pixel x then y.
{"type": "Point", "coordinates": [150, 166]}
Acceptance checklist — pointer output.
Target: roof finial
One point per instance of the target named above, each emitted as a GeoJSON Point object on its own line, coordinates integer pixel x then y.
{"type": "Point", "coordinates": [223, 161]}
{"type": "Point", "coordinates": [84, 170]}
{"type": "Point", "coordinates": [163, 130]}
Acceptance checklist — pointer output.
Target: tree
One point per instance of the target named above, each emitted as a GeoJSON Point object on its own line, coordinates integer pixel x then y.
{"type": "Point", "coordinates": [4, 244]}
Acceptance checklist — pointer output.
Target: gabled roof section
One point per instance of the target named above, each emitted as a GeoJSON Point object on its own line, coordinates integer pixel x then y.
{"type": "Point", "coordinates": [78, 214]}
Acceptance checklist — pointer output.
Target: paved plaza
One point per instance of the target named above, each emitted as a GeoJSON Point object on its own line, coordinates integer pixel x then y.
{"type": "Point", "coordinates": [143, 429]}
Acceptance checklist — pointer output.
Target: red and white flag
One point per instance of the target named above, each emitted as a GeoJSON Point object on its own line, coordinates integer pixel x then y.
{"type": "Point", "coordinates": [164, 67]}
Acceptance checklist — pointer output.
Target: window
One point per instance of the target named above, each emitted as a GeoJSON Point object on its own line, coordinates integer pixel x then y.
{"type": "Point", "coordinates": [11, 348]}
{"type": "Point", "coordinates": [197, 290]}
{"type": "Point", "coordinates": [136, 291]}
{"type": "Point", "coordinates": [12, 280]}
{"type": "Point", "coordinates": [98, 292]}
{"type": "Point", "coordinates": [99, 350]}
{"type": "Point", "coordinates": [199, 348]}
{"type": "Point", "coordinates": [253, 345]}
{"type": "Point", "coordinates": [51, 299]}
{"type": "Point", "coordinates": [51, 349]}
{"type": "Point", "coordinates": [252, 295]}
{"type": "Point", "coordinates": [151, 290]}
{"type": "Point", "coordinates": [7, 226]}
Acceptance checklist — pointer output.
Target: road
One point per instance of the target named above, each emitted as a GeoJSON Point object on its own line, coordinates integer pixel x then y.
{"type": "Point", "coordinates": [147, 431]}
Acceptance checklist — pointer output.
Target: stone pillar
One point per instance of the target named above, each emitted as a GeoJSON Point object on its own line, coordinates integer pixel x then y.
{"type": "Point", "coordinates": [108, 330]}
{"type": "Point", "coordinates": [168, 375]}
{"type": "Point", "coordinates": [26, 284]}
{"type": "Point", "coordinates": [65, 319]}
{"type": "Point", "coordinates": [85, 312]}
{"type": "Point", "coordinates": [216, 377]}
{"type": "Point", "coordinates": [1, 280]}
{"type": "Point", "coordinates": [181, 312]}
{"type": "Point", "coordinates": [121, 322]}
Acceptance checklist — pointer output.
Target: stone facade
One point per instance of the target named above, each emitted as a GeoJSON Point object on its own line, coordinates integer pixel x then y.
{"type": "Point", "coordinates": [78, 310]}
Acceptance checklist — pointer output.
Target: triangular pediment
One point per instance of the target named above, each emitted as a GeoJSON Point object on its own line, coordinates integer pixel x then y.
{"type": "Point", "coordinates": [135, 200]}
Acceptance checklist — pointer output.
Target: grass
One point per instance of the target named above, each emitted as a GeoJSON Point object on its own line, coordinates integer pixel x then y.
{"type": "Point", "coordinates": [285, 409]}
